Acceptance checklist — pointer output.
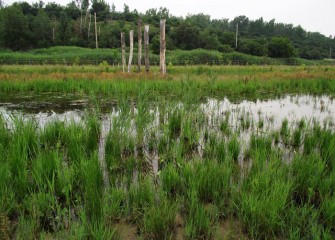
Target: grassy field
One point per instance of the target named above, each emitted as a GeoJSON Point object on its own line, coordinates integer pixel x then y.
{"type": "Point", "coordinates": [165, 168]}
{"type": "Point", "coordinates": [180, 82]}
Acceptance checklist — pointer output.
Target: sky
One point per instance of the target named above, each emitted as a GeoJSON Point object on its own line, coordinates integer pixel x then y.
{"type": "Point", "coordinates": [312, 15]}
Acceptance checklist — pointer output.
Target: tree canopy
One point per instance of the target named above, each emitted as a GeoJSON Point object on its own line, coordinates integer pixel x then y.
{"type": "Point", "coordinates": [26, 26]}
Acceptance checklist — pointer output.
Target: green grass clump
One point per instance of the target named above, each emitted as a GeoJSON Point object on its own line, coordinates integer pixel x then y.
{"type": "Point", "coordinates": [93, 188]}
{"type": "Point", "coordinates": [114, 205]}
{"type": "Point", "coordinates": [140, 197]}
{"type": "Point", "coordinates": [159, 220]}
{"type": "Point", "coordinates": [199, 224]}
{"type": "Point", "coordinates": [211, 181]}
{"type": "Point", "coordinates": [171, 181]}
{"type": "Point", "coordinates": [284, 130]}
{"type": "Point", "coordinates": [175, 122]}
{"type": "Point", "coordinates": [261, 203]}
{"type": "Point", "coordinates": [234, 148]}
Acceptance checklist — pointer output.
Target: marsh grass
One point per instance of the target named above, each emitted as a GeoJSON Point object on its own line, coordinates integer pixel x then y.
{"type": "Point", "coordinates": [140, 196]}
{"type": "Point", "coordinates": [199, 224]}
{"type": "Point", "coordinates": [93, 188]}
{"type": "Point", "coordinates": [87, 80]}
{"type": "Point", "coordinates": [234, 148]}
{"type": "Point", "coordinates": [57, 182]}
{"type": "Point", "coordinates": [51, 179]}
{"type": "Point", "coordinates": [159, 219]}
{"type": "Point", "coordinates": [171, 181]}
{"type": "Point", "coordinates": [114, 205]}
{"type": "Point", "coordinates": [262, 201]}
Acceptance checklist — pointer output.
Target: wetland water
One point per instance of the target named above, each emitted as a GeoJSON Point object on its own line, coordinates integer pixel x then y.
{"type": "Point", "coordinates": [48, 107]}
{"type": "Point", "coordinates": [242, 118]}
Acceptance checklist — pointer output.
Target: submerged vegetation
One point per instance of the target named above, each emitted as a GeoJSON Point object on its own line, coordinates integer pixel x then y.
{"type": "Point", "coordinates": [156, 169]}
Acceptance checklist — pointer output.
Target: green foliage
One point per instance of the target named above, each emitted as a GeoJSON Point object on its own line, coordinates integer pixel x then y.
{"type": "Point", "coordinates": [198, 221]}
{"type": "Point", "coordinates": [35, 23]}
{"type": "Point", "coordinates": [263, 200]}
{"type": "Point", "coordinates": [187, 36]}
{"type": "Point", "coordinates": [14, 26]}
{"type": "Point", "coordinates": [253, 47]}
{"type": "Point", "coordinates": [101, 8]}
{"type": "Point", "coordinates": [280, 47]}
{"type": "Point", "coordinates": [41, 29]}
{"type": "Point", "coordinates": [159, 220]}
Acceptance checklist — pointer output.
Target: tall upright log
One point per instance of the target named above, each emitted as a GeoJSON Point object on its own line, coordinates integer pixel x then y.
{"type": "Point", "coordinates": [139, 35]}
{"type": "Point", "coordinates": [123, 46]}
{"type": "Point", "coordinates": [146, 47]}
{"type": "Point", "coordinates": [131, 39]}
{"type": "Point", "coordinates": [162, 47]}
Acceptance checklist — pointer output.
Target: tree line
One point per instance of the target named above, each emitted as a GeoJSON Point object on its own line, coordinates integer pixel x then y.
{"type": "Point", "coordinates": [27, 26]}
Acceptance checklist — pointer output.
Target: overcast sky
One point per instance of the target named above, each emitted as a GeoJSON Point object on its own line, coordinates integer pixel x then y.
{"type": "Point", "coordinates": [312, 15]}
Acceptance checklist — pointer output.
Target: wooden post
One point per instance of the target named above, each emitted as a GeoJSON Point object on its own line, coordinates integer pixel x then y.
{"type": "Point", "coordinates": [123, 46]}
{"type": "Point", "coordinates": [146, 47]}
{"type": "Point", "coordinates": [162, 47]}
{"type": "Point", "coordinates": [131, 39]}
{"type": "Point", "coordinates": [96, 34]}
{"type": "Point", "coordinates": [139, 35]}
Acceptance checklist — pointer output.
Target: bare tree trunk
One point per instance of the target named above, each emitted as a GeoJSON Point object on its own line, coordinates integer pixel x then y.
{"type": "Point", "coordinates": [123, 46]}
{"type": "Point", "coordinates": [139, 35]}
{"type": "Point", "coordinates": [162, 47]}
{"type": "Point", "coordinates": [96, 34]}
{"type": "Point", "coordinates": [146, 47]}
{"type": "Point", "coordinates": [131, 39]}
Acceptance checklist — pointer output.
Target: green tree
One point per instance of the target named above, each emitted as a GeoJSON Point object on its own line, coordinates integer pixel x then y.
{"type": "Point", "coordinates": [64, 29]}
{"type": "Point", "coordinates": [280, 47]}
{"type": "Point", "coordinates": [242, 22]}
{"type": "Point", "coordinates": [41, 29]}
{"type": "Point", "coordinates": [72, 10]}
{"type": "Point", "coordinates": [209, 40]}
{"type": "Point", "coordinates": [127, 15]}
{"type": "Point", "coordinates": [256, 28]}
{"type": "Point", "coordinates": [187, 36]}
{"type": "Point", "coordinates": [110, 35]}
{"type": "Point", "coordinates": [253, 47]}
{"type": "Point", "coordinates": [228, 38]}
{"type": "Point", "coordinates": [53, 10]}
{"type": "Point", "coordinates": [101, 8]}
{"type": "Point", "coordinates": [26, 8]}
{"type": "Point", "coordinates": [200, 20]}
{"type": "Point", "coordinates": [15, 31]}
